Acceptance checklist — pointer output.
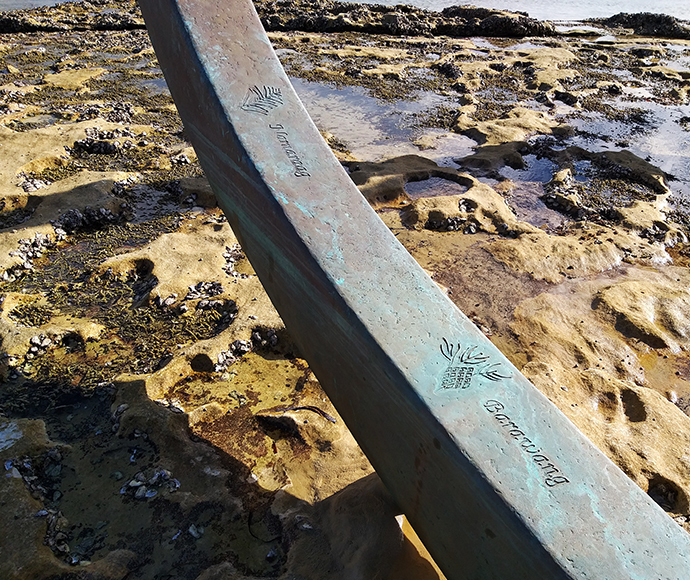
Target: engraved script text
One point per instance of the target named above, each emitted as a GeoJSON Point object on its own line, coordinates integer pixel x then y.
{"type": "Point", "coordinates": [553, 476]}
{"type": "Point", "coordinates": [282, 136]}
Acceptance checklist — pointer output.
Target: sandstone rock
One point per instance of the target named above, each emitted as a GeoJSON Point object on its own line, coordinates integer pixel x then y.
{"type": "Point", "coordinates": [488, 159]}
{"type": "Point", "coordinates": [553, 258]}
{"type": "Point", "coordinates": [655, 311]}
{"type": "Point", "coordinates": [200, 188]}
{"type": "Point", "coordinates": [516, 125]}
{"type": "Point", "coordinates": [175, 261]}
{"type": "Point", "coordinates": [597, 377]}
{"type": "Point", "coordinates": [480, 205]}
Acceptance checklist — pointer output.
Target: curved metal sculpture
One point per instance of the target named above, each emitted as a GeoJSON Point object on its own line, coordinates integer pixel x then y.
{"type": "Point", "coordinates": [496, 481]}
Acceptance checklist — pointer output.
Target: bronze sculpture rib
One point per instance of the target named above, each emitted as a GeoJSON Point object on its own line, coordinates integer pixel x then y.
{"type": "Point", "coordinates": [497, 482]}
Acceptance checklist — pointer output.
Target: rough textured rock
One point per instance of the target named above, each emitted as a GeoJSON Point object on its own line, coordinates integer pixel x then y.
{"type": "Point", "coordinates": [479, 208]}
{"type": "Point", "coordinates": [654, 311]}
{"type": "Point", "coordinates": [23, 551]}
{"type": "Point", "coordinates": [326, 16]}
{"type": "Point", "coordinates": [515, 125]}
{"type": "Point", "coordinates": [111, 359]}
{"type": "Point", "coordinates": [77, 17]}
{"type": "Point", "coordinates": [588, 344]}
{"type": "Point", "coordinates": [649, 24]}
{"type": "Point", "coordinates": [72, 79]}
{"type": "Point", "coordinates": [554, 258]}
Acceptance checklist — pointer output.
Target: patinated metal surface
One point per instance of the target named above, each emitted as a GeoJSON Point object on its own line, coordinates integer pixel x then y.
{"type": "Point", "coordinates": [498, 483]}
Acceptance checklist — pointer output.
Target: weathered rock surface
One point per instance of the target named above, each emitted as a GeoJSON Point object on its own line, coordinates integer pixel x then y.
{"type": "Point", "coordinates": [140, 352]}
{"type": "Point", "coordinates": [327, 16]}
{"type": "Point", "coordinates": [649, 24]}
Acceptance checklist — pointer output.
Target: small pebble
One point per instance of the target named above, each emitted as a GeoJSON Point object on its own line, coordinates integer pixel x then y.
{"type": "Point", "coordinates": [196, 532]}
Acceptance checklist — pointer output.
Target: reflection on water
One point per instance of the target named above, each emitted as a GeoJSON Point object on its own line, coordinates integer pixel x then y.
{"type": "Point", "coordinates": [539, 170]}
{"type": "Point", "coordinates": [158, 86]}
{"type": "Point", "coordinates": [582, 170]}
{"type": "Point", "coordinates": [660, 138]}
{"type": "Point", "coordinates": [525, 202]}
{"type": "Point", "coordinates": [376, 130]}
{"type": "Point", "coordinates": [433, 187]}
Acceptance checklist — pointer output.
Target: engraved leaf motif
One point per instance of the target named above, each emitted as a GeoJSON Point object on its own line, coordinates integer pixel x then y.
{"type": "Point", "coordinates": [447, 349]}
{"type": "Point", "coordinates": [470, 358]}
{"type": "Point", "coordinates": [491, 372]}
{"type": "Point", "coordinates": [262, 99]}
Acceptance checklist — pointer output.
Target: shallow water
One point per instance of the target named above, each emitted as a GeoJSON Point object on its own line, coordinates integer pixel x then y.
{"type": "Point", "coordinates": [376, 130]}
{"type": "Point", "coordinates": [433, 187]}
{"type": "Point", "coordinates": [662, 141]}
{"type": "Point", "coordinates": [525, 201]}
{"type": "Point", "coordinates": [537, 170]}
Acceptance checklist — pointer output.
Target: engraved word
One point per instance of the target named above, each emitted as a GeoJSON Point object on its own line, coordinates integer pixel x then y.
{"type": "Point", "coordinates": [552, 475]}
{"type": "Point", "coordinates": [262, 100]}
{"type": "Point", "coordinates": [282, 136]}
{"type": "Point", "coordinates": [465, 365]}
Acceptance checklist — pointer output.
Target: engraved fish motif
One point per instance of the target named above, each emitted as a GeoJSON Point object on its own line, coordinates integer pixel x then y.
{"type": "Point", "coordinates": [262, 99]}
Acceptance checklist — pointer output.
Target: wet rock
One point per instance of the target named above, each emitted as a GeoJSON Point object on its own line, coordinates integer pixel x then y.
{"type": "Point", "coordinates": [93, 147]}
{"type": "Point", "coordinates": [383, 184]}
{"type": "Point", "coordinates": [647, 51]}
{"type": "Point", "coordinates": [121, 113]}
{"type": "Point", "coordinates": [648, 24]}
{"type": "Point", "coordinates": [514, 126]}
{"type": "Point", "coordinates": [204, 290]}
{"type": "Point", "coordinates": [461, 21]}
{"type": "Point", "coordinates": [404, 24]}
{"type": "Point", "coordinates": [566, 97]}
{"type": "Point", "coordinates": [488, 159]}
{"type": "Point", "coordinates": [479, 208]}
{"type": "Point", "coordinates": [449, 70]}
{"type": "Point", "coordinates": [14, 23]}
{"type": "Point", "coordinates": [553, 258]}
{"type": "Point", "coordinates": [117, 21]}
{"type": "Point", "coordinates": [225, 409]}
{"type": "Point", "coordinates": [514, 26]}
{"type": "Point", "coordinates": [74, 220]}
{"type": "Point", "coordinates": [81, 17]}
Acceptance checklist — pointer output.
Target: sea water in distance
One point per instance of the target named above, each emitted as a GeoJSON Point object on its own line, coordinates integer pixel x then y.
{"type": "Point", "coordinates": [550, 10]}
{"type": "Point", "coordinates": [541, 9]}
